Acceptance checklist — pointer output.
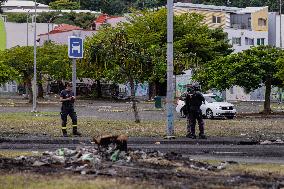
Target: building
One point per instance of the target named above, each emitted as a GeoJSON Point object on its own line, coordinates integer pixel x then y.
{"type": "Point", "coordinates": [245, 27]}
{"type": "Point", "coordinates": [105, 19]}
{"type": "Point", "coordinates": [61, 32]}
{"type": "Point", "coordinates": [12, 5]}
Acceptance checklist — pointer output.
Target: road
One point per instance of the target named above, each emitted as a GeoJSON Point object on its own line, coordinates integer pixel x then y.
{"type": "Point", "coordinates": [220, 148]}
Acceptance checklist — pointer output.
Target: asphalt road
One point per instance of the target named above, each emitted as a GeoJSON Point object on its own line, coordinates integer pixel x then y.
{"type": "Point", "coordinates": [120, 110]}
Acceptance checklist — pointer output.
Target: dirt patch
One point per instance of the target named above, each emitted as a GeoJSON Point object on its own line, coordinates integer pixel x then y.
{"type": "Point", "coordinates": [169, 170]}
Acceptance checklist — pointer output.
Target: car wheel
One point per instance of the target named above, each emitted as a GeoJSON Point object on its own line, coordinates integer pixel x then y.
{"type": "Point", "coordinates": [209, 114]}
{"type": "Point", "coordinates": [230, 117]}
{"type": "Point", "coordinates": [182, 112]}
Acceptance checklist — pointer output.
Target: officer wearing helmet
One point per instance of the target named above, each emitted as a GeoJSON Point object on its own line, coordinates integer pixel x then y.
{"type": "Point", "coordinates": [193, 101]}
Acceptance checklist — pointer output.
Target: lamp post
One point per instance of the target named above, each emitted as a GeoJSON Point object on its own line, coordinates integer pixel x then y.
{"type": "Point", "coordinates": [280, 12]}
{"type": "Point", "coordinates": [28, 27]}
{"type": "Point", "coordinates": [170, 117]}
{"type": "Point", "coordinates": [35, 81]}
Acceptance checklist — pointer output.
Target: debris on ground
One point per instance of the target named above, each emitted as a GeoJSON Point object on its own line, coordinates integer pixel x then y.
{"type": "Point", "coordinates": [277, 141]}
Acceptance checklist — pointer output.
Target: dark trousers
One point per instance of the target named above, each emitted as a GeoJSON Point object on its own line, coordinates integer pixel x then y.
{"type": "Point", "coordinates": [73, 116]}
{"type": "Point", "coordinates": [191, 122]}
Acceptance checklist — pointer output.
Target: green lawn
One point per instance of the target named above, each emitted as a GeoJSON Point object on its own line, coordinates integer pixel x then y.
{"type": "Point", "coordinates": [50, 124]}
{"type": "Point", "coordinates": [2, 35]}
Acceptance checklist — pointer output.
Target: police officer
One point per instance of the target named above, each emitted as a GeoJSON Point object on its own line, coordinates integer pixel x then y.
{"type": "Point", "coordinates": [193, 101]}
{"type": "Point", "coordinates": [67, 98]}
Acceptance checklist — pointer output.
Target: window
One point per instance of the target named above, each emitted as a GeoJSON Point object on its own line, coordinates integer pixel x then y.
{"type": "Point", "coordinates": [260, 41]}
{"type": "Point", "coordinates": [249, 41]}
{"type": "Point", "coordinates": [261, 22]}
{"type": "Point", "coordinates": [231, 90]}
{"type": "Point", "coordinates": [216, 19]}
{"type": "Point", "coordinates": [236, 41]}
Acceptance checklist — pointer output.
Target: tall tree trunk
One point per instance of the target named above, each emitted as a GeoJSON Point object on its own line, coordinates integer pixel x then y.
{"type": "Point", "coordinates": [152, 90]}
{"type": "Point", "coordinates": [40, 87]}
{"type": "Point", "coordinates": [99, 88]}
{"type": "Point", "coordinates": [134, 105]}
{"type": "Point", "coordinates": [267, 108]}
{"type": "Point", "coordinates": [29, 90]}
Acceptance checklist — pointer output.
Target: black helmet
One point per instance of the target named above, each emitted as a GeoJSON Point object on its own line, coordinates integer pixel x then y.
{"type": "Point", "coordinates": [196, 87]}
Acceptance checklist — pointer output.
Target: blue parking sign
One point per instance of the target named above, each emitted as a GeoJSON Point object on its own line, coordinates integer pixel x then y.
{"type": "Point", "coordinates": [75, 47]}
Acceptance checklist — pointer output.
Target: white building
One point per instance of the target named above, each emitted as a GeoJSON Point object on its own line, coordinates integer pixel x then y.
{"type": "Point", "coordinates": [10, 5]}
{"type": "Point", "coordinates": [245, 27]}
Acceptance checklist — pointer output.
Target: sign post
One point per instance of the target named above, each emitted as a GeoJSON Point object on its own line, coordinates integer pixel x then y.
{"type": "Point", "coordinates": [75, 51]}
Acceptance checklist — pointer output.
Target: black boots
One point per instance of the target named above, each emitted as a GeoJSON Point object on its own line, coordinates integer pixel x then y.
{"type": "Point", "coordinates": [64, 132]}
{"type": "Point", "coordinates": [76, 132]}
{"type": "Point", "coordinates": [193, 136]}
{"type": "Point", "coordinates": [189, 135]}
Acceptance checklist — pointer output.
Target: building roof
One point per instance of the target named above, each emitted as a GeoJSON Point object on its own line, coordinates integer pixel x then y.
{"type": "Point", "coordinates": [219, 8]}
{"type": "Point", "coordinates": [22, 4]}
{"type": "Point", "coordinates": [207, 7]}
{"type": "Point", "coordinates": [63, 28]}
{"type": "Point", "coordinates": [21, 10]}
{"type": "Point", "coordinates": [251, 9]}
{"type": "Point", "coordinates": [105, 17]}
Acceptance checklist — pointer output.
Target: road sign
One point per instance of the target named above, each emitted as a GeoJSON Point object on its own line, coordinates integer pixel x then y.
{"type": "Point", "coordinates": [75, 47]}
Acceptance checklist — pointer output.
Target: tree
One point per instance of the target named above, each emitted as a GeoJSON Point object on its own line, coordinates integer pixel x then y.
{"type": "Point", "coordinates": [248, 69]}
{"type": "Point", "coordinates": [135, 51]}
{"type": "Point", "coordinates": [20, 59]}
{"type": "Point", "coordinates": [6, 73]}
{"type": "Point", "coordinates": [52, 60]}
{"type": "Point", "coordinates": [64, 4]}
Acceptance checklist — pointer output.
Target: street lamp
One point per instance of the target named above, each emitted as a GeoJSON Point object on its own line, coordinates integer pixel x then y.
{"type": "Point", "coordinates": [28, 27]}
{"type": "Point", "coordinates": [35, 82]}
{"type": "Point", "coordinates": [170, 69]}
{"type": "Point", "coordinates": [50, 20]}
{"type": "Point", "coordinates": [280, 12]}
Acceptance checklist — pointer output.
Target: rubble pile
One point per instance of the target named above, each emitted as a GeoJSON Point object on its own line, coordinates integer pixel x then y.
{"type": "Point", "coordinates": [112, 158]}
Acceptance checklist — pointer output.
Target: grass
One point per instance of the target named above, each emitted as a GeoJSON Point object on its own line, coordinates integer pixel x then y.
{"type": "Point", "coordinates": [13, 154]}
{"type": "Point", "coordinates": [50, 124]}
{"type": "Point", "coordinates": [2, 35]}
{"type": "Point", "coordinates": [31, 181]}
{"type": "Point", "coordinates": [258, 169]}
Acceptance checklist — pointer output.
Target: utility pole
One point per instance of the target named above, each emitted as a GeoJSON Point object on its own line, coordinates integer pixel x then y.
{"type": "Point", "coordinates": [170, 99]}
{"type": "Point", "coordinates": [280, 12]}
{"type": "Point", "coordinates": [35, 81]}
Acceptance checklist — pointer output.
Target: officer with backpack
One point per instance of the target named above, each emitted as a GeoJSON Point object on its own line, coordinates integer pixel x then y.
{"type": "Point", "coordinates": [193, 101]}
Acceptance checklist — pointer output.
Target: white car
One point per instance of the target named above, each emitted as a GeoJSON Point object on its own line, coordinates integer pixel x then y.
{"type": "Point", "coordinates": [211, 109]}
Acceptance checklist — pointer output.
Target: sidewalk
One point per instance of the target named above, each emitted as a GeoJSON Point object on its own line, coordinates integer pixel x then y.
{"type": "Point", "coordinates": [131, 140]}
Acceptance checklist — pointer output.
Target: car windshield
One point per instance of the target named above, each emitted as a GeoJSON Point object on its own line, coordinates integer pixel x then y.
{"type": "Point", "coordinates": [209, 99]}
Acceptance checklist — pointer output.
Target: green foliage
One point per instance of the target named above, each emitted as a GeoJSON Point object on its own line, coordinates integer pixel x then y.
{"type": "Point", "coordinates": [6, 73]}
{"type": "Point", "coordinates": [117, 7]}
{"type": "Point", "coordinates": [138, 48]}
{"type": "Point", "coordinates": [51, 59]}
{"type": "Point", "coordinates": [64, 5]}
{"type": "Point", "coordinates": [83, 20]}
{"type": "Point", "coordinates": [248, 69]}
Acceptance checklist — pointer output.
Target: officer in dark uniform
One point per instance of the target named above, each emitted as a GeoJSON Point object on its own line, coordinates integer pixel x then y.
{"type": "Point", "coordinates": [193, 101]}
{"type": "Point", "coordinates": [67, 98]}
